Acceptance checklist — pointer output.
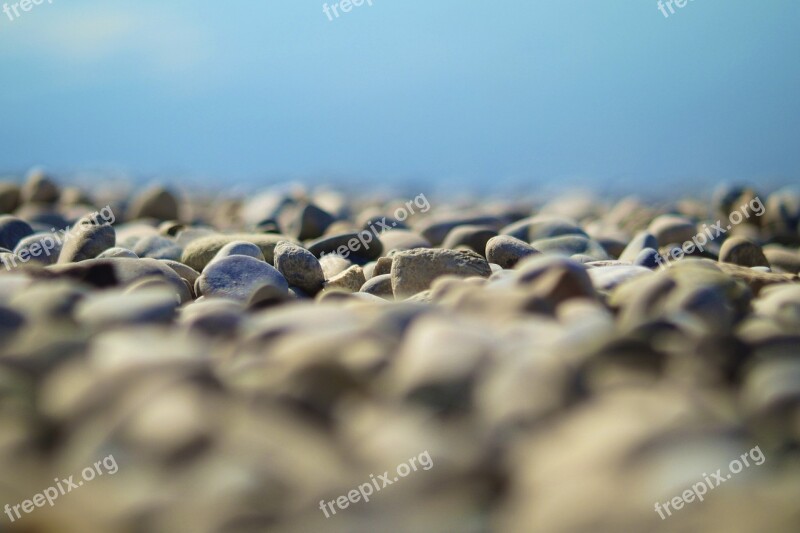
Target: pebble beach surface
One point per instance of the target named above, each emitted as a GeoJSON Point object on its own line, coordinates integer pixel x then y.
{"type": "Point", "coordinates": [566, 365]}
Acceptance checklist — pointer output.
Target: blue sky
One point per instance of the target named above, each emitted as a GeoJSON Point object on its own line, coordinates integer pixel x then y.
{"type": "Point", "coordinates": [483, 94]}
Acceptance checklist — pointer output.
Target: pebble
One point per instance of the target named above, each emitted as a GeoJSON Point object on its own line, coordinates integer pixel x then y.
{"type": "Point", "coordinates": [399, 239]}
{"type": "Point", "coordinates": [379, 286]}
{"type": "Point", "coordinates": [238, 277]}
{"type": "Point", "coordinates": [86, 240]}
{"type": "Point", "coordinates": [743, 252]}
{"type": "Point", "coordinates": [506, 251]}
{"type": "Point", "coordinates": [299, 266]}
{"type": "Point", "coordinates": [13, 230]}
{"type": "Point", "coordinates": [640, 242]}
{"type": "Point", "coordinates": [157, 247]}
{"type": "Point", "coordinates": [39, 189]}
{"type": "Point", "coordinates": [306, 222]}
{"type": "Point", "coordinates": [9, 197]}
{"type": "Point", "coordinates": [413, 271]}
{"type": "Point", "coordinates": [542, 227]}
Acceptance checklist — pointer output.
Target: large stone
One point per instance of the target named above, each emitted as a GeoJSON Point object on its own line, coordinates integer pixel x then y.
{"type": "Point", "coordinates": [13, 230]}
{"type": "Point", "coordinates": [413, 271]}
{"type": "Point", "coordinates": [86, 240]}
{"type": "Point", "coordinates": [299, 266]}
{"type": "Point", "coordinates": [238, 277]}
{"type": "Point", "coordinates": [743, 252]}
{"type": "Point", "coordinates": [506, 251]}
{"type": "Point", "coordinates": [351, 280]}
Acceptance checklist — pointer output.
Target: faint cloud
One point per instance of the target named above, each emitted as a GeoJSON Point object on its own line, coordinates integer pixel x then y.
{"type": "Point", "coordinates": [164, 43]}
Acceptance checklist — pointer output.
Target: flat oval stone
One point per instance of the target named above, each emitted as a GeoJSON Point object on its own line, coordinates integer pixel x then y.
{"type": "Point", "coordinates": [785, 259]}
{"type": "Point", "coordinates": [299, 266]}
{"type": "Point", "coordinates": [306, 222]}
{"type": "Point", "coordinates": [380, 286]}
{"type": "Point", "coordinates": [154, 305]}
{"type": "Point", "coordinates": [436, 229]}
{"type": "Point", "coordinates": [743, 252]}
{"type": "Point", "coordinates": [86, 241]}
{"type": "Point", "coordinates": [238, 277]}
{"type": "Point", "coordinates": [506, 251]}
{"type": "Point", "coordinates": [413, 271]}
{"type": "Point", "coordinates": [42, 248]}
{"type": "Point", "coordinates": [13, 230]}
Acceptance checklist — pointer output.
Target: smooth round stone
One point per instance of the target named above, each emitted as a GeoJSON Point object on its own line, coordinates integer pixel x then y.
{"type": "Point", "coordinates": [198, 252]}
{"type": "Point", "coordinates": [155, 305]}
{"type": "Point", "coordinates": [156, 202]}
{"type": "Point", "coordinates": [238, 277]}
{"type": "Point", "coordinates": [39, 188]}
{"type": "Point", "coordinates": [413, 271]}
{"type": "Point", "coordinates": [349, 245]}
{"type": "Point", "coordinates": [742, 252]}
{"type": "Point", "coordinates": [240, 248]}
{"type": "Point", "coordinates": [542, 227]}
{"type": "Point", "coordinates": [669, 229]}
{"type": "Point", "coordinates": [400, 239]}
{"type": "Point", "coordinates": [13, 230]}
{"type": "Point", "coordinates": [607, 278]}
{"type": "Point", "coordinates": [782, 216]}
{"type": "Point", "coordinates": [571, 245]}
{"type": "Point", "coordinates": [299, 266]}
{"type": "Point", "coordinates": [506, 251]}
{"type": "Point", "coordinates": [380, 286]}
{"type": "Point", "coordinates": [9, 197]}
{"type": "Point", "coordinates": [470, 236]}
{"type": "Point", "coordinates": [117, 251]}
{"type": "Point", "coordinates": [42, 248]}
{"type": "Point", "coordinates": [435, 229]}
{"type": "Point", "coordinates": [648, 258]}
{"type": "Point", "coordinates": [784, 259]}
{"type": "Point", "coordinates": [86, 241]}
{"type": "Point", "coordinates": [305, 222]}
{"type": "Point", "coordinates": [640, 242]}
{"type": "Point", "coordinates": [157, 247]}
{"type": "Point", "coordinates": [351, 280]}
{"type": "Point", "coordinates": [382, 223]}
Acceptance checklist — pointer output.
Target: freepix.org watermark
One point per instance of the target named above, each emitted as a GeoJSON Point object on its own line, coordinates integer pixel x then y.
{"type": "Point", "coordinates": [365, 237]}
{"type": "Point", "coordinates": [61, 488]}
{"type": "Point", "coordinates": [46, 244]}
{"type": "Point", "coordinates": [12, 11]}
{"type": "Point", "coordinates": [364, 491]}
{"type": "Point", "coordinates": [710, 482]}
{"type": "Point", "coordinates": [664, 5]}
{"type": "Point", "coordinates": [700, 240]}
{"type": "Point", "coordinates": [345, 6]}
